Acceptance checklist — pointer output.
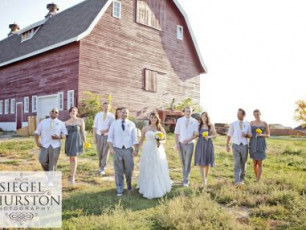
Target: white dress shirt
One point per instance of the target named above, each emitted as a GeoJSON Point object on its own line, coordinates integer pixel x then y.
{"type": "Point", "coordinates": [120, 138]}
{"type": "Point", "coordinates": [235, 132]}
{"type": "Point", "coordinates": [100, 124]}
{"type": "Point", "coordinates": [48, 127]}
{"type": "Point", "coordinates": [186, 128]}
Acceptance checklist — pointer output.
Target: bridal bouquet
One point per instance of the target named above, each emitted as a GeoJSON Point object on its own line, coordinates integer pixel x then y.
{"type": "Point", "coordinates": [159, 136]}
{"type": "Point", "coordinates": [205, 134]}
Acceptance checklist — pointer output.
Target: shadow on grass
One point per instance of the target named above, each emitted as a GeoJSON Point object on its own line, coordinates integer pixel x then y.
{"type": "Point", "coordinates": [86, 203]}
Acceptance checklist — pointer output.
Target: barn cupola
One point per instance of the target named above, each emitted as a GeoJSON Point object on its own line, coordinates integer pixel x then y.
{"type": "Point", "coordinates": [53, 8]}
{"type": "Point", "coordinates": [14, 29]}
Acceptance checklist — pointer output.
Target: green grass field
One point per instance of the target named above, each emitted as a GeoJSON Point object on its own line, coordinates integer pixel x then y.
{"type": "Point", "coordinates": [277, 202]}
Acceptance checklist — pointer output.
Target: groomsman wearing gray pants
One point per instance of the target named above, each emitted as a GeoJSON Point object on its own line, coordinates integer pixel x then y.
{"type": "Point", "coordinates": [186, 152]}
{"type": "Point", "coordinates": [239, 132]}
{"type": "Point", "coordinates": [124, 166]}
{"type": "Point", "coordinates": [240, 153]}
{"type": "Point", "coordinates": [102, 150]}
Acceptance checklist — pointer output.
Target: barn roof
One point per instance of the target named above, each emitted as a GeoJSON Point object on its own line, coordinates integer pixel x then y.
{"type": "Point", "coordinates": [66, 27]}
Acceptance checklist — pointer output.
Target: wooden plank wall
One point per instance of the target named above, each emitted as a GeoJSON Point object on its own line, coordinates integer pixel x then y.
{"type": "Point", "coordinates": [45, 74]}
{"type": "Point", "coordinates": [114, 56]}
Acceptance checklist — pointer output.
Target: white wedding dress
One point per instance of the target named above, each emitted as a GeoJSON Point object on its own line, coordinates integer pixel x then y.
{"type": "Point", "coordinates": [154, 180]}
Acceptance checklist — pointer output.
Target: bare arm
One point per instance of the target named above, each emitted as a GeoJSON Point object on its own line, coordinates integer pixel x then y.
{"type": "Point", "coordinates": [143, 133]}
{"type": "Point", "coordinates": [36, 136]}
{"type": "Point", "coordinates": [213, 132]}
{"type": "Point", "coordinates": [267, 133]}
{"type": "Point", "coordinates": [228, 139]}
{"type": "Point", "coordinates": [83, 130]}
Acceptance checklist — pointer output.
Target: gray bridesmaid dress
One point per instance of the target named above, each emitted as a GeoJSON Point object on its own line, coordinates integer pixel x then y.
{"type": "Point", "coordinates": [257, 145]}
{"type": "Point", "coordinates": [204, 153]}
{"type": "Point", "coordinates": [74, 141]}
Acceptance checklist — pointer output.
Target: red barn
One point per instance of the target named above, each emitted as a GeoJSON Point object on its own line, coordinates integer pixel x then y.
{"type": "Point", "coordinates": [142, 52]}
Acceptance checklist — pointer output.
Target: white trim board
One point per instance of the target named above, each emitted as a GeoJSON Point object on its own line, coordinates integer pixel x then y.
{"type": "Point", "coordinates": [192, 34]}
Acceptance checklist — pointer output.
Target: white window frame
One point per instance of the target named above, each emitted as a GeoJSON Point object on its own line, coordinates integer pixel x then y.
{"type": "Point", "coordinates": [114, 7]}
{"type": "Point", "coordinates": [26, 104]}
{"type": "Point", "coordinates": [34, 104]}
{"type": "Point", "coordinates": [69, 97]}
{"type": "Point", "coordinates": [1, 107]}
{"type": "Point", "coordinates": [13, 106]}
{"type": "Point", "coordinates": [6, 106]}
{"type": "Point", "coordinates": [180, 32]}
{"type": "Point", "coordinates": [60, 100]}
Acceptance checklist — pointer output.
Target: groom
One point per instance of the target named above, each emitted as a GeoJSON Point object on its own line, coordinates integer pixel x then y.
{"type": "Point", "coordinates": [123, 145]}
{"type": "Point", "coordinates": [185, 132]}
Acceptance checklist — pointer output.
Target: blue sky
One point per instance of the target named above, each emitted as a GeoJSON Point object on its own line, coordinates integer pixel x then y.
{"type": "Point", "coordinates": [255, 52]}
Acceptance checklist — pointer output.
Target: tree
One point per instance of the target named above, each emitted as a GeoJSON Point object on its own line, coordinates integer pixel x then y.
{"type": "Point", "coordinates": [89, 106]}
{"type": "Point", "coordinates": [300, 112]}
{"type": "Point", "coordinates": [188, 102]}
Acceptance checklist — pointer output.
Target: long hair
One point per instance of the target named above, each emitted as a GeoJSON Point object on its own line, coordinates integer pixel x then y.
{"type": "Point", "coordinates": [118, 109]}
{"type": "Point", "coordinates": [208, 121]}
{"type": "Point", "coordinates": [158, 124]}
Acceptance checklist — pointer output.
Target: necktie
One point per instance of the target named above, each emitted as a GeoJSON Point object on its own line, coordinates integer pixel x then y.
{"type": "Point", "coordinates": [104, 116]}
{"type": "Point", "coordinates": [187, 123]}
{"type": "Point", "coordinates": [122, 125]}
{"type": "Point", "coordinates": [51, 125]}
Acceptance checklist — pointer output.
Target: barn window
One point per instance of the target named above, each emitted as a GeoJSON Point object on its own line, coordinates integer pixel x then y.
{"type": "Point", "coordinates": [26, 104]}
{"type": "Point", "coordinates": [70, 99]}
{"type": "Point", "coordinates": [29, 34]}
{"type": "Point", "coordinates": [60, 100]}
{"type": "Point", "coordinates": [150, 13]}
{"type": "Point", "coordinates": [34, 104]}
{"type": "Point", "coordinates": [13, 106]}
{"type": "Point", "coordinates": [6, 106]}
{"type": "Point", "coordinates": [150, 80]}
{"type": "Point", "coordinates": [117, 9]}
{"type": "Point", "coordinates": [1, 106]}
{"type": "Point", "coordinates": [179, 32]}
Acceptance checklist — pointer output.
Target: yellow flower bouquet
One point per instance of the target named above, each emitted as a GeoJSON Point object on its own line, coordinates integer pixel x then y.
{"type": "Point", "coordinates": [87, 145]}
{"type": "Point", "coordinates": [205, 134]}
{"type": "Point", "coordinates": [258, 131]}
{"type": "Point", "coordinates": [159, 136]}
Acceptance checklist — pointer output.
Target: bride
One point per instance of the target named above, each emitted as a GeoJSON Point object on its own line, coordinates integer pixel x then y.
{"type": "Point", "coordinates": [154, 180]}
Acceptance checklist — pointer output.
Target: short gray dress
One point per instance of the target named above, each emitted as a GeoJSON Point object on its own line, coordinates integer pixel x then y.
{"type": "Point", "coordinates": [74, 141]}
{"type": "Point", "coordinates": [204, 153]}
{"type": "Point", "coordinates": [258, 145]}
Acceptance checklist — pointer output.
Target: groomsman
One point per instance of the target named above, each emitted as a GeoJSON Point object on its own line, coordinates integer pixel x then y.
{"type": "Point", "coordinates": [50, 130]}
{"type": "Point", "coordinates": [185, 130]}
{"type": "Point", "coordinates": [102, 123]}
{"type": "Point", "coordinates": [123, 144]}
{"type": "Point", "coordinates": [239, 132]}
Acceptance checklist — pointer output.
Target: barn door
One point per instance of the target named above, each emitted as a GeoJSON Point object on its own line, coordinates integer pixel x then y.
{"type": "Point", "coordinates": [19, 115]}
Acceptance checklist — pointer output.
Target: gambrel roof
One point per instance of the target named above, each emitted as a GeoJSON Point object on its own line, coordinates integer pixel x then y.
{"type": "Point", "coordinates": [68, 26]}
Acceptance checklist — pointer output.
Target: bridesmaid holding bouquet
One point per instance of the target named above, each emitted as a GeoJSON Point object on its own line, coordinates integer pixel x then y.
{"type": "Point", "coordinates": [204, 153]}
{"type": "Point", "coordinates": [258, 146]}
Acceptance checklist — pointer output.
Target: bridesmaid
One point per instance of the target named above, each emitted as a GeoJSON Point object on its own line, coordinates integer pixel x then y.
{"type": "Point", "coordinates": [204, 153]}
{"type": "Point", "coordinates": [118, 113]}
{"type": "Point", "coordinates": [258, 142]}
{"type": "Point", "coordinates": [75, 140]}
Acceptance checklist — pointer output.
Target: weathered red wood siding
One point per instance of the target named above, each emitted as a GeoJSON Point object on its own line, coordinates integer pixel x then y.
{"type": "Point", "coordinates": [48, 73]}
{"type": "Point", "coordinates": [113, 58]}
